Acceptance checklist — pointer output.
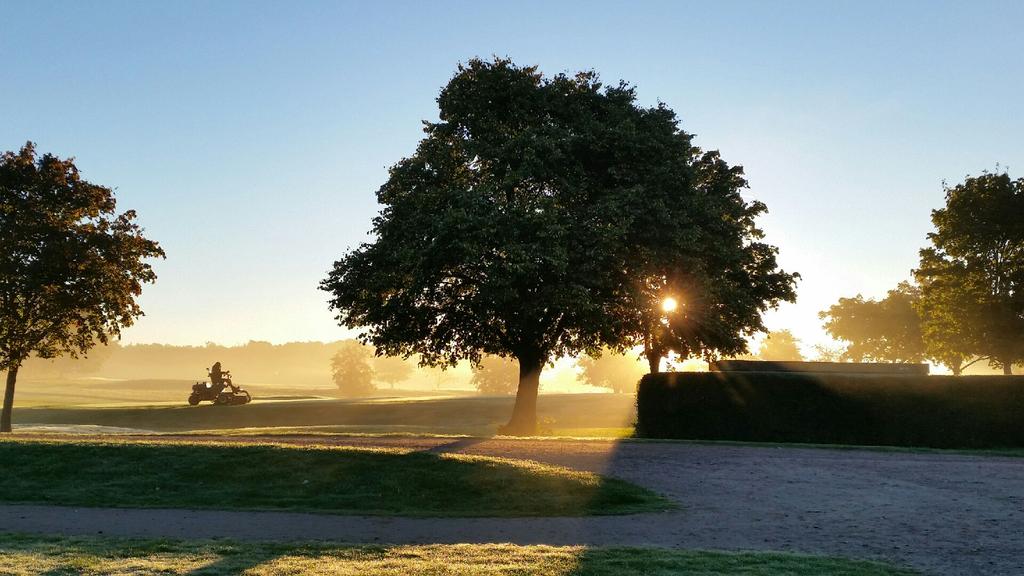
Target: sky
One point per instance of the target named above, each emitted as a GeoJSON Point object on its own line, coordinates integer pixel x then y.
{"type": "Point", "coordinates": [251, 137]}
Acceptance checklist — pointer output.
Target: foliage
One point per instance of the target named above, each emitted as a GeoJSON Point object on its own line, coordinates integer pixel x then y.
{"type": "Point", "coordinates": [826, 353]}
{"type": "Point", "coordinates": [876, 410]}
{"type": "Point", "coordinates": [325, 480]}
{"type": "Point", "coordinates": [972, 276]}
{"type": "Point", "coordinates": [619, 372]}
{"type": "Point", "coordinates": [495, 375]}
{"type": "Point", "coordinates": [887, 330]}
{"type": "Point", "coordinates": [392, 369]}
{"type": "Point", "coordinates": [351, 369]}
{"type": "Point", "coordinates": [699, 243]}
{"type": "Point", "coordinates": [950, 321]}
{"type": "Point", "coordinates": [222, 557]}
{"type": "Point", "coordinates": [71, 267]}
{"type": "Point", "coordinates": [780, 345]}
{"type": "Point", "coordinates": [522, 224]}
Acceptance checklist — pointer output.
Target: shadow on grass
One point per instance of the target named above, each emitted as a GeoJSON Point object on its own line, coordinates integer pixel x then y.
{"type": "Point", "coordinates": [311, 479]}
{"type": "Point", "coordinates": [457, 445]}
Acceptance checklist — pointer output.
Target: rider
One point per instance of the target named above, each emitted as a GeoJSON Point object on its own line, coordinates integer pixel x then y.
{"type": "Point", "coordinates": [219, 378]}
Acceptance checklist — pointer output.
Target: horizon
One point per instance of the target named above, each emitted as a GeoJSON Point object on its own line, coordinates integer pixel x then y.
{"type": "Point", "coordinates": [252, 153]}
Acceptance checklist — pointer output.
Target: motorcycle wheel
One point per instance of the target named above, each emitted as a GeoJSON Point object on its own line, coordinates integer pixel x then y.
{"type": "Point", "coordinates": [193, 400]}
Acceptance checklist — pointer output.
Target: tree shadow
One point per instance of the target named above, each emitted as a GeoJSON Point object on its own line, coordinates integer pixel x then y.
{"type": "Point", "coordinates": [457, 445]}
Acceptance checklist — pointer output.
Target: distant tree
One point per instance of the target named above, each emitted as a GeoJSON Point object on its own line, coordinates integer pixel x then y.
{"type": "Point", "coordinates": [780, 346]}
{"type": "Point", "coordinates": [825, 353]}
{"type": "Point", "coordinates": [950, 316]}
{"type": "Point", "coordinates": [392, 369]}
{"type": "Point", "coordinates": [886, 330]}
{"type": "Point", "coordinates": [351, 369]}
{"type": "Point", "coordinates": [67, 367]}
{"type": "Point", "coordinates": [972, 276]}
{"type": "Point", "coordinates": [525, 226]}
{"type": "Point", "coordinates": [619, 372]}
{"type": "Point", "coordinates": [495, 375]}
{"type": "Point", "coordinates": [71, 267]}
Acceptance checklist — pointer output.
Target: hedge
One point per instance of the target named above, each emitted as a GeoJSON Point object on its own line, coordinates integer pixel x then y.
{"type": "Point", "coordinates": [876, 410]}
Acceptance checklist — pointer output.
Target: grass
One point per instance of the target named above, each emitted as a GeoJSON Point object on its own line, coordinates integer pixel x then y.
{"type": "Point", "coordinates": [473, 415]}
{"type": "Point", "coordinates": [34, 555]}
{"type": "Point", "coordinates": [305, 478]}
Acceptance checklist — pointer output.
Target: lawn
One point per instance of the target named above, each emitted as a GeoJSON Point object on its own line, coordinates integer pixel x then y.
{"type": "Point", "coordinates": [34, 555]}
{"type": "Point", "coordinates": [316, 479]}
{"type": "Point", "coordinates": [581, 414]}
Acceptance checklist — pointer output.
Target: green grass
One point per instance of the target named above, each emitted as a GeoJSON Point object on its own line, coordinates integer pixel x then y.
{"type": "Point", "coordinates": [473, 415]}
{"type": "Point", "coordinates": [315, 479]}
{"type": "Point", "coordinates": [51, 556]}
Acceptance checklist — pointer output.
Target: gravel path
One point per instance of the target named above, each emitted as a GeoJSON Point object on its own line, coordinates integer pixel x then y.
{"type": "Point", "coordinates": [939, 513]}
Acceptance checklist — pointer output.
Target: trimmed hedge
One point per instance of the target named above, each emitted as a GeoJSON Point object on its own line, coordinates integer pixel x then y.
{"type": "Point", "coordinates": [876, 410]}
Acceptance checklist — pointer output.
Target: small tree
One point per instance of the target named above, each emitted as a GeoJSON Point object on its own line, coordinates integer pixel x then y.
{"type": "Point", "coordinates": [71, 267]}
{"type": "Point", "coordinates": [495, 375]}
{"type": "Point", "coordinates": [351, 369]}
{"type": "Point", "coordinates": [781, 346]}
{"type": "Point", "coordinates": [886, 330]}
{"type": "Point", "coordinates": [972, 276]}
{"type": "Point", "coordinates": [619, 372]}
{"type": "Point", "coordinates": [391, 369]}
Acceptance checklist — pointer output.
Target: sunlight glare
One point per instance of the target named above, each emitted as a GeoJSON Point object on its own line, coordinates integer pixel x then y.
{"type": "Point", "coordinates": [669, 304]}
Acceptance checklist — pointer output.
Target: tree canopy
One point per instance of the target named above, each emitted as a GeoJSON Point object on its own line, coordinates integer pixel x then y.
{"type": "Point", "coordinates": [71, 267]}
{"type": "Point", "coordinates": [972, 275]}
{"type": "Point", "coordinates": [543, 217]}
{"type": "Point", "coordinates": [886, 330]}
{"type": "Point", "coordinates": [351, 369]}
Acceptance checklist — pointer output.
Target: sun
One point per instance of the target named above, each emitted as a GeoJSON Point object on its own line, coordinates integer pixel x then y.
{"type": "Point", "coordinates": [669, 304]}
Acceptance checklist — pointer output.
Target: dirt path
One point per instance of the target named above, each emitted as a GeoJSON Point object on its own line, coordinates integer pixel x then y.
{"type": "Point", "coordinates": [940, 513]}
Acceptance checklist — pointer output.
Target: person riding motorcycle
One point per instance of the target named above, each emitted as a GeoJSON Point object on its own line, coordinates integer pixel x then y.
{"type": "Point", "coordinates": [219, 378]}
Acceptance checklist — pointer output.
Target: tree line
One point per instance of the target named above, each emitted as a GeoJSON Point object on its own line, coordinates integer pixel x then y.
{"type": "Point", "coordinates": [967, 303]}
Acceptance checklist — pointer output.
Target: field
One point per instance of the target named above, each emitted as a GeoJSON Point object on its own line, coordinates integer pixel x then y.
{"type": "Point", "coordinates": [308, 478]}
{"type": "Point", "coordinates": [159, 406]}
{"type": "Point", "coordinates": [29, 555]}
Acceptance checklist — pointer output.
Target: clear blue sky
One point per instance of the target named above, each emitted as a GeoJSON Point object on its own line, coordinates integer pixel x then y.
{"type": "Point", "coordinates": [252, 136]}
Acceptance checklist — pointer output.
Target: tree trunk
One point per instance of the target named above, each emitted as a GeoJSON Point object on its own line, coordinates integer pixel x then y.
{"type": "Point", "coordinates": [524, 414]}
{"type": "Point", "coordinates": [1007, 367]}
{"type": "Point", "coordinates": [957, 370]}
{"type": "Point", "coordinates": [5, 417]}
{"type": "Point", "coordinates": [653, 361]}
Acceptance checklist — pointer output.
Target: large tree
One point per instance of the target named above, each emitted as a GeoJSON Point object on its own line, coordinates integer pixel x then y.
{"type": "Point", "coordinates": [524, 224]}
{"type": "Point", "coordinates": [71, 267]}
{"type": "Point", "coordinates": [886, 330]}
{"type": "Point", "coordinates": [976, 265]}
